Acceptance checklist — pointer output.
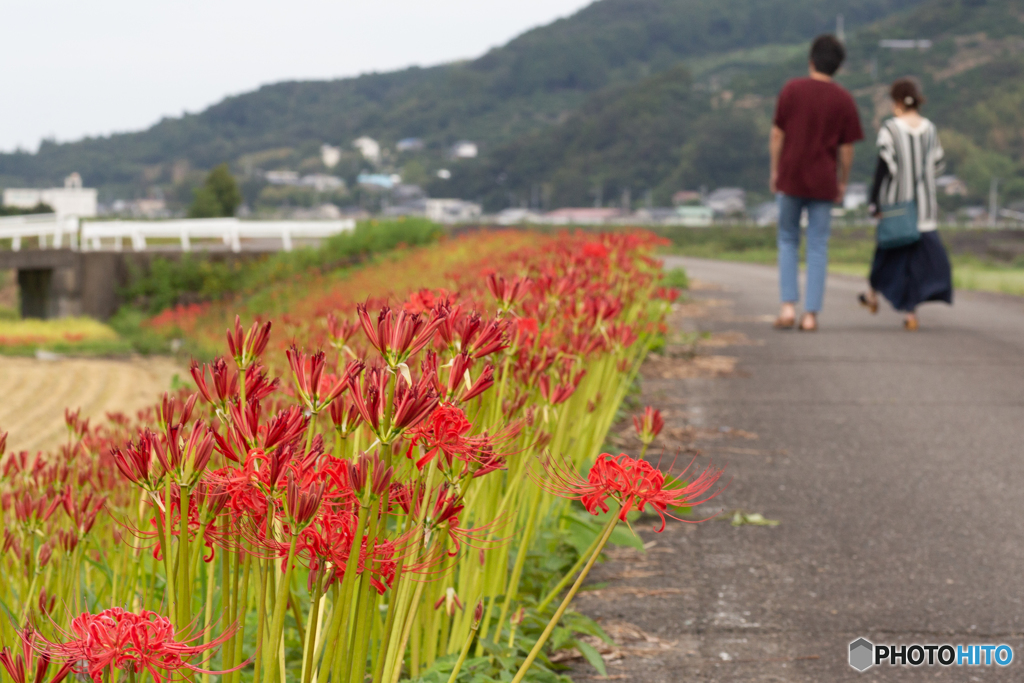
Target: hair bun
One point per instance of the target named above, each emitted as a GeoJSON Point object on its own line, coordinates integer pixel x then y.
{"type": "Point", "coordinates": [908, 100]}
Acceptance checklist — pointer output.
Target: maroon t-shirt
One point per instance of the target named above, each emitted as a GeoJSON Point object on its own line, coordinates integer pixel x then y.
{"type": "Point", "coordinates": [817, 117]}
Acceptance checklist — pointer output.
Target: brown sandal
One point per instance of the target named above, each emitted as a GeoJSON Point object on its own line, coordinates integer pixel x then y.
{"type": "Point", "coordinates": [868, 303]}
{"type": "Point", "coordinates": [784, 323]}
{"type": "Point", "coordinates": [910, 325]}
{"type": "Point", "coordinates": [814, 323]}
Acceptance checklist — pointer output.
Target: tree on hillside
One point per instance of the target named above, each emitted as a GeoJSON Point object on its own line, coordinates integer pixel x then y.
{"type": "Point", "coordinates": [219, 195]}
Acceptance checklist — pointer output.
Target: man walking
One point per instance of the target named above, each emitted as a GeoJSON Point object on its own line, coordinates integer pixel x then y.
{"type": "Point", "coordinates": [816, 124]}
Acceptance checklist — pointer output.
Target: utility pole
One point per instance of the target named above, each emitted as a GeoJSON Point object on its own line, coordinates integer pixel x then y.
{"type": "Point", "coordinates": [993, 202]}
{"type": "Point", "coordinates": [840, 33]}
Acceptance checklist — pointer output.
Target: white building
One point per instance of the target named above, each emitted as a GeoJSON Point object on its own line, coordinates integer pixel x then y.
{"type": "Point", "coordinates": [464, 149]}
{"type": "Point", "coordinates": [282, 177]}
{"type": "Point", "coordinates": [70, 200]}
{"type": "Point", "coordinates": [368, 147]}
{"type": "Point", "coordinates": [321, 182]}
{"type": "Point", "coordinates": [409, 145]}
{"type": "Point", "coordinates": [856, 196]}
{"type": "Point", "coordinates": [330, 156]}
{"type": "Point", "coordinates": [452, 210]}
{"type": "Point", "coordinates": [727, 201]}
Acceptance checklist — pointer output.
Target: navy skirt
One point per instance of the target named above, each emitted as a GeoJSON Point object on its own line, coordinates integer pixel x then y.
{"type": "Point", "coordinates": [909, 276]}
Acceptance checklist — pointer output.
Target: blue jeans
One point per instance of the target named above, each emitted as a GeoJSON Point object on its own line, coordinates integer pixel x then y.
{"type": "Point", "coordinates": [819, 222]}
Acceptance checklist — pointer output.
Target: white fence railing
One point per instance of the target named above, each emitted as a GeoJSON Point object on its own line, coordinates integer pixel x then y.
{"type": "Point", "coordinates": [50, 231]}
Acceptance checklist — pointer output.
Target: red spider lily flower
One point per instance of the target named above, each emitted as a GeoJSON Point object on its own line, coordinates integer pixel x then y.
{"type": "Point", "coordinates": [258, 384]}
{"type": "Point", "coordinates": [32, 511]}
{"type": "Point", "coordinates": [560, 393]}
{"type": "Point", "coordinates": [420, 301]}
{"type": "Point", "coordinates": [137, 461]}
{"type": "Point", "coordinates": [595, 250]}
{"type": "Point", "coordinates": [621, 336]}
{"type": "Point", "coordinates": [444, 433]}
{"type": "Point", "coordinates": [633, 484]}
{"type": "Point", "coordinates": [669, 294]}
{"type": "Point", "coordinates": [303, 500]}
{"type": "Point", "coordinates": [3, 444]}
{"type": "Point", "coordinates": [508, 293]}
{"type": "Point", "coordinates": [76, 426]}
{"type": "Point", "coordinates": [18, 666]}
{"type": "Point", "coordinates": [492, 338]}
{"type": "Point", "coordinates": [46, 604]}
{"type": "Point", "coordinates": [450, 600]}
{"type": "Point", "coordinates": [525, 330]}
{"type": "Point", "coordinates": [224, 380]}
{"type": "Point", "coordinates": [314, 388]}
{"type": "Point", "coordinates": [369, 396]}
{"type": "Point", "coordinates": [344, 416]}
{"type": "Point", "coordinates": [413, 403]}
{"type": "Point", "coordinates": [82, 512]}
{"type": "Point", "coordinates": [169, 405]}
{"type": "Point", "coordinates": [340, 331]}
{"type": "Point", "coordinates": [116, 639]}
{"type": "Point", "coordinates": [186, 459]}
{"type": "Point", "coordinates": [398, 335]}
{"type": "Point", "coordinates": [246, 347]}
{"type": "Point", "coordinates": [461, 386]}
{"type": "Point", "coordinates": [649, 426]}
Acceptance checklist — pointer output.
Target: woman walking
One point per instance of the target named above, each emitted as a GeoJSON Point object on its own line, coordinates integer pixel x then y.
{"type": "Point", "coordinates": [909, 158]}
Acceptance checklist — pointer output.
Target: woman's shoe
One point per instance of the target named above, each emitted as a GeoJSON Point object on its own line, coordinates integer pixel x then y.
{"type": "Point", "coordinates": [784, 323]}
{"type": "Point", "coordinates": [868, 303]}
{"type": "Point", "coordinates": [910, 324]}
{"type": "Point", "coordinates": [808, 323]}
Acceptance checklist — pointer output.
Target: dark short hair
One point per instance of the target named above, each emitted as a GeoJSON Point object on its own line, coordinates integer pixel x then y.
{"type": "Point", "coordinates": [827, 54]}
{"type": "Point", "coordinates": [906, 93]}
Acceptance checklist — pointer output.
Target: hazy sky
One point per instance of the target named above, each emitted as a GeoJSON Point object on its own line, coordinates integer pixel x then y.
{"type": "Point", "coordinates": [72, 69]}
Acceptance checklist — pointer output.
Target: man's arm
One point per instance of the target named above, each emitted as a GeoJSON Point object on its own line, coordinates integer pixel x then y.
{"type": "Point", "coordinates": [845, 164]}
{"type": "Point", "coordinates": [775, 141]}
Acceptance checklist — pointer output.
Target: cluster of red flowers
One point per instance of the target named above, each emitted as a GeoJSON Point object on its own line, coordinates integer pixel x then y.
{"type": "Point", "coordinates": [362, 462]}
{"type": "Point", "coordinates": [120, 640]}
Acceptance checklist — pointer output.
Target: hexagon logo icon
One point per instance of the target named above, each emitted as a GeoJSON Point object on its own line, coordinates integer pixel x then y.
{"type": "Point", "coordinates": [862, 653]}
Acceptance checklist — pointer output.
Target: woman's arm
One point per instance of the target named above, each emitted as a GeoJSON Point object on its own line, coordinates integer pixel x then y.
{"type": "Point", "coordinates": [881, 173]}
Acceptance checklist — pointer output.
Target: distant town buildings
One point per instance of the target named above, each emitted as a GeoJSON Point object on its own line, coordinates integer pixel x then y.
{"type": "Point", "coordinates": [282, 177]}
{"type": "Point", "coordinates": [379, 181]}
{"type": "Point", "coordinates": [70, 200]}
{"type": "Point", "coordinates": [369, 148]}
{"type": "Point", "coordinates": [463, 149]}
{"type": "Point", "coordinates": [951, 186]}
{"type": "Point", "coordinates": [409, 145]}
{"type": "Point", "coordinates": [321, 182]}
{"type": "Point", "coordinates": [904, 44]}
{"type": "Point", "coordinates": [727, 201]}
{"type": "Point", "coordinates": [686, 197]}
{"type": "Point", "coordinates": [582, 215]}
{"type": "Point", "coordinates": [330, 156]}
{"type": "Point", "coordinates": [451, 210]}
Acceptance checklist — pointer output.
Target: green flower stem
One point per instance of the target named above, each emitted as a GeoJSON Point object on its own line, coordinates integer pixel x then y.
{"type": "Point", "coordinates": [272, 646]}
{"type": "Point", "coordinates": [609, 527]}
{"type": "Point", "coordinates": [184, 589]}
{"type": "Point", "coordinates": [568, 575]}
{"type": "Point", "coordinates": [462, 655]}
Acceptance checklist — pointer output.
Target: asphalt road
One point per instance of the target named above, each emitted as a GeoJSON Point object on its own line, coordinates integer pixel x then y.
{"type": "Point", "coordinates": [895, 464]}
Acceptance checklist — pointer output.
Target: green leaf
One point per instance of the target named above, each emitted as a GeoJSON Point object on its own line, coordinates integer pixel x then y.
{"type": "Point", "coordinates": [741, 518]}
{"type": "Point", "coordinates": [591, 654]}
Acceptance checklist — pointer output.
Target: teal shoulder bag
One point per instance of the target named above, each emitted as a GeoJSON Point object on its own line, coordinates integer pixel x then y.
{"type": "Point", "coordinates": [897, 226]}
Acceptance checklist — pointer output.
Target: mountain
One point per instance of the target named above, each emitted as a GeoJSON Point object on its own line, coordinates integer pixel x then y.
{"type": "Point", "coordinates": [680, 130]}
{"type": "Point", "coordinates": [532, 83]}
